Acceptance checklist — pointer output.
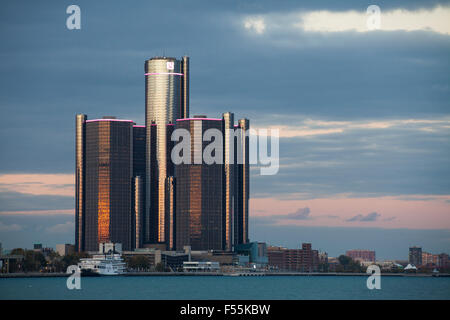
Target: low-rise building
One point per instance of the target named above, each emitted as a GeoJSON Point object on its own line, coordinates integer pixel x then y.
{"type": "Point", "coordinates": [256, 251]}
{"type": "Point", "coordinates": [222, 257]}
{"type": "Point", "coordinates": [361, 255]}
{"type": "Point", "coordinates": [201, 266]}
{"type": "Point", "coordinates": [65, 249]}
{"type": "Point", "coordinates": [174, 260]}
{"type": "Point", "coordinates": [300, 260]}
{"type": "Point", "coordinates": [154, 256]}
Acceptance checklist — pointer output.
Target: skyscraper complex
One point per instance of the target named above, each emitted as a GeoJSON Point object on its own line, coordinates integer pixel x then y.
{"type": "Point", "coordinates": [128, 189]}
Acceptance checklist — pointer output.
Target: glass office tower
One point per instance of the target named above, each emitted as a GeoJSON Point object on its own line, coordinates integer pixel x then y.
{"type": "Point", "coordinates": [184, 113]}
{"type": "Point", "coordinates": [228, 180]}
{"type": "Point", "coordinates": [199, 220]}
{"type": "Point", "coordinates": [137, 217]}
{"type": "Point", "coordinates": [242, 182]}
{"type": "Point", "coordinates": [138, 187]}
{"type": "Point", "coordinates": [104, 154]}
{"type": "Point", "coordinates": [166, 100]}
{"type": "Point", "coordinates": [170, 219]}
{"type": "Point", "coordinates": [80, 132]}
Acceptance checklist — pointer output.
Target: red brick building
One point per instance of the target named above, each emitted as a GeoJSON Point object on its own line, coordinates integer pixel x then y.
{"type": "Point", "coordinates": [301, 260]}
{"type": "Point", "coordinates": [361, 255]}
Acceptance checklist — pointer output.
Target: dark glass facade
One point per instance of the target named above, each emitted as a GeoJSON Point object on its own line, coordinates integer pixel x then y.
{"type": "Point", "coordinates": [241, 182]}
{"type": "Point", "coordinates": [228, 180]}
{"type": "Point", "coordinates": [139, 145]}
{"type": "Point", "coordinates": [170, 213]}
{"type": "Point", "coordinates": [138, 186]}
{"type": "Point", "coordinates": [199, 221]}
{"type": "Point", "coordinates": [137, 217]}
{"type": "Point", "coordinates": [80, 132]}
{"type": "Point", "coordinates": [106, 194]}
{"type": "Point", "coordinates": [184, 112]}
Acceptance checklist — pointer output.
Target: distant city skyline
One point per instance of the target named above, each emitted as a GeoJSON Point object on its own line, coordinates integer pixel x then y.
{"type": "Point", "coordinates": [363, 115]}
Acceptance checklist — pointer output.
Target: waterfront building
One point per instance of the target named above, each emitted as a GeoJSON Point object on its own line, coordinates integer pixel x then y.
{"type": "Point", "coordinates": [109, 155]}
{"type": "Point", "coordinates": [212, 198]}
{"type": "Point", "coordinates": [201, 266]}
{"type": "Point", "coordinates": [199, 191]}
{"type": "Point", "coordinates": [299, 260]}
{"type": "Point", "coordinates": [166, 100]}
{"type": "Point", "coordinates": [65, 249]}
{"type": "Point", "coordinates": [242, 187]}
{"type": "Point", "coordinates": [430, 259]}
{"type": "Point", "coordinates": [229, 181]}
{"type": "Point", "coordinates": [173, 260]}
{"type": "Point", "coordinates": [361, 255]}
{"type": "Point", "coordinates": [415, 256]}
{"type": "Point", "coordinates": [110, 248]}
{"type": "Point", "coordinates": [223, 257]}
{"type": "Point", "coordinates": [138, 186]}
{"type": "Point", "coordinates": [152, 255]}
{"type": "Point", "coordinates": [256, 252]}
{"type": "Point", "coordinates": [443, 261]}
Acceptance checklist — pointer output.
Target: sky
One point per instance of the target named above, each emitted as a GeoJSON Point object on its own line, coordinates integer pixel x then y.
{"type": "Point", "coordinates": [364, 115]}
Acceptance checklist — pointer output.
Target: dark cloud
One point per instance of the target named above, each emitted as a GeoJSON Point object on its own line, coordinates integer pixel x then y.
{"type": "Point", "coordinates": [330, 216]}
{"type": "Point", "coordinates": [15, 201]}
{"type": "Point", "coordinates": [300, 214]}
{"type": "Point", "coordinates": [361, 163]}
{"type": "Point", "coordinates": [373, 216]}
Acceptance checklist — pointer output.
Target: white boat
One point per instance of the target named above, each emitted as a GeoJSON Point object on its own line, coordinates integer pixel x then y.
{"type": "Point", "coordinates": [102, 265]}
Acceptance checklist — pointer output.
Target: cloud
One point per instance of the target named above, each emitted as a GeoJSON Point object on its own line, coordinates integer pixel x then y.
{"type": "Point", "coordinates": [330, 216]}
{"type": "Point", "coordinates": [300, 214]}
{"type": "Point", "coordinates": [323, 165]}
{"type": "Point", "coordinates": [255, 24]}
{"type": "Point", "coordinates": [9, 227]}
{"type": "Point", "coordinates": [39, 212]}
{"type": "Point", "coordinates": [435, 20]}
{"type": "Point", "coordinates": [61, 228]}
{"type": "Point", "coordinates": [304, 127]}
{"type": "Point", "coordinates": [21, 202]}
{"type": "Point", "coordinates": [373, 216]}
{"type": "Point", "coordinates": [326, 21]}
{"type": "Point", "coordinates": [38, 184]}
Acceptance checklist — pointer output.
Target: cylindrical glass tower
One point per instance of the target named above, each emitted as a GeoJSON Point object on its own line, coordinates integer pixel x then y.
{"type": "Point", "coordinates": [164, 87]}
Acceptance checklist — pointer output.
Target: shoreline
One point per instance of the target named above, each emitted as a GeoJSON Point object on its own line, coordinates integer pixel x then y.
{"type": "Point", "coordinates": [220, 274]}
